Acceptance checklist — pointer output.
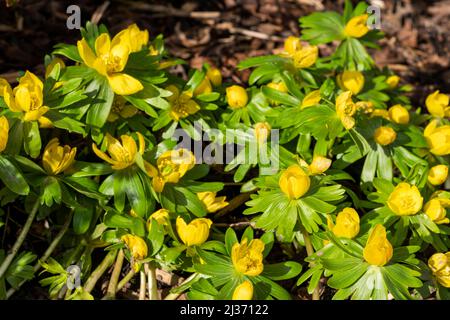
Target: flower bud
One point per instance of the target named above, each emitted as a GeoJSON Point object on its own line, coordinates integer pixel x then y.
{"type": "Point", "coordinates": [405, 200]}
{"type": "Point", "coordinates": [437, 104]}
{"type": "Point", "coordinates": [351, 81]}
{"type": "Point", "coordinates": [384, 135]}
{"type": "Point", "coordinates": [195, 233]}
{"type": "Point", "coordinates": [244, 291]}
{"type": "Point", "coordinates": [311, 99]}
{"type": "Point", "coordinates": [294, 182]}
{"type": "Point", "coordinates": [356, 27]}
{"type": "Point", "coordinates": [4, 131]}
{"type": "Point", "coordinates": [57, 159]}
{"type": "Point", "coordinates": [439, 264]}
{"type": "Point", "coordinates": [436, 211]}
{"type": "Point", "coordinates": [399, 114]}
{"type": "Point", "coordinates": [392, 81]}
{"type": "Point", "coordinates": [438, 174]}
{"type": "Point", "coordinates": [262, 131]}
{"type": "Point", "coordinates": [292, 44]}
{"type": "Point", "coordinates": [214, 76]}
{"type": "Point", "coordinates": [305, 57]}
{"type": "Point", "coordinates": [378, 250]}
{"type": "Point", "coordinates": [438, 139]}
{"type": "Point", "coordinates": [319, 165]}
{"type": "Point", "coordinates": [347, 224]}
{"type": "Point", "coordinates": [237, 97]}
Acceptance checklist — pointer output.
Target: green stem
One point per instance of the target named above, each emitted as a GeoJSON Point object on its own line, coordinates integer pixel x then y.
{"type": "Point", "coordinates": [100, 270]}
{"type": "Point", "coordinates": [125, 280]}
{"type": "Point", "coordinates": [150, 269]}
{"type": "Point", "coordinates": [142, 287]}
{"type": "Point", "coordinates": [112, 286]}
{"type": "Point", "coordinates": [174, 296]}
{"type": "Point", "coordinates": [23, 234]}
{"type": "Point", "coordinates": [310, 252]}
{"type": "Point", "coordinates": [47, 252]}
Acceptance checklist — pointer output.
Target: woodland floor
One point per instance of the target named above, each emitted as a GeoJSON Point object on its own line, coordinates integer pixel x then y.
{"type": "Point", "coordinates": [416, 46]}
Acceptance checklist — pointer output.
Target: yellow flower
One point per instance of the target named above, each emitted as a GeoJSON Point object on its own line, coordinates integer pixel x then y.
{"type": "Point", "coordinates": [351, 81]}
{"type": "Point", "coordinates": [195, 233]}
{"type": "Point", "coordinates": [292, 44]}
{"type": "Point", "coordinates": [161, 216]}
{"type": "Point", "coordinates": [378, 250]}
{"type": "Point", "coordinates": [27, 98]}
{"type": "Point", "coordinates": [262, 131]}
{"type": "Point", "coordinates": [392, 81]}
{"type": "Point", "coordinates": [122, 155]}
{"type": "Point", "coordinates": [437, 104]}
{"type": "Point", "coordinates": [345, 109]}
{"type": "Point", "coordinates": [319, 165]}
{"type": "Point", "coordinates": [214, 76]}
{"type": "Point", "coordinates": [121, 109]}
{"type": "Point", "coordinates": [347, 224]}
{"type": "Point", "coordinates": [399, 114]}
{"type": "Point", "coordinates": [237, 97]}
{"type": "Point", "coordinates": [248, 259]}
{"type": "Point", "coordinates": [405, 200]}
{"type": "Point", "coordinates": [438, 174]}
{"type": "Point", "coordinates": [182, 104]}
{"type": "Point", "coordinates": [204, 87]}
{"type": "Point", "coordinates": [244, 291]}
{"type": "Point", "coordinates": [436, 211]}
{"type": "Point", "coordinates": [311, 99]}
{"type": "Point", "coordinates": [138, 249]}
{"type": "Point", "coordinates": [384, 135]}
{"type": "Point", "coordinates": [279, 86]}
{"type": "Point", "coordinates": [380, 113]}
{"type": "Point", "coordinates": [439, 264]}
{"type": "Point", "coordinates": [110, 59]}
{"type": "Point", "coordinates": [305, 57]}
{"type": "Point", "coordinates": [438, 139]}
{"type": "Point", "coordinates": [52, 64]}
{"type": "Point", "coordinates": [135, 38]}
{"type": "Point", "coordinates": [4, 132]}
{"type": "Point", "coordinates": [294, 182]}
{"type": "Point", "coordinates": [211, 202]}
{"type": "Point", "coordinates": [356, 27]}
{"type": "Point", "coordinates": [57, 159]}
{"type": "Point", "coordinates": [171, 166]}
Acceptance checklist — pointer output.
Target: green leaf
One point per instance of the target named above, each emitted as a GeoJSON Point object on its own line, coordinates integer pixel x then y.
{"type": "Point", "coordinates": [31, 138]}
{"type": "Point", "coordinates": [282, 271]}
{"type": "Point", "coordinates": [103, 97]}
{"type": "Point", "coordinates": [322, 27]}
{"type": "Point", "coordinates": [12, 178]}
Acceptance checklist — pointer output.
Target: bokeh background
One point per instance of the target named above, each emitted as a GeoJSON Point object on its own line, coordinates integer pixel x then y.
{"type": "Point", "coordinates": [224, 32]}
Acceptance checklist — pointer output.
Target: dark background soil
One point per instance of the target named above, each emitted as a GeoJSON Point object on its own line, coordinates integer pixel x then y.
{"type": "Point", "coordinates": [227, 31]}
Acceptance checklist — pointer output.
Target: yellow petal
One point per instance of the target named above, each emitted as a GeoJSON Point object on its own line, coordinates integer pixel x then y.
{"type": "Point", "coordinates": [86, 53]}
{"type": "Point", "coordinates": [102, 45]}
{"type": "Point", "coordinates": [124, 84]}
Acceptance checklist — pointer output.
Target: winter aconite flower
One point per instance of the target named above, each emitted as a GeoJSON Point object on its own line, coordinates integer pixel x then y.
{"type": "Point", "coordinates": [279, 86]}
{"type": "Point", "coordinates": [214, 75]}
{"type": "Point", "coordinates": [356, 27]}
{"type": "Point", "coordinates": [305, 57]}
{"type": "Point", "coordinates": [347, 224]}
{"type": "Point", "coordinates": [311, 99]}
{"type": "Point", "coordinates": [439, 264]}
{"type": "Point", "coordinates": [110, 59]}
{"type": "Point", "coordinates": [399, 114]}
{"type": "Point", "coordinates": [351, 81]}
{"type": "Point", "coordinates": [244, 291]}
{"type": "Point", "coordinates": [437, 104]}
{"type": "Point", "coordinates": [294, 182]}
{"type": "Point", "coordinates": [4, 132]}
{"type": "Point", "coordinates": [247, 257]}
{"type": "Point", "coordinates": [161, 216]}
{"type": "Point", "coordinates": [171, 166]}
{"type": "Point", "coordinates": [211, 202]}
{"type": "Point", "coordinates": [136, 38]}
{"type": "Point", "coordinates": [438, 138]}
{"type": "Point", "coordinates": [438, 174]}
{"type": "Point", "coordinates": [319, 165]}
{"type": "Point", "coordinates": [392, 81]}
{"type": "Point", "coordinates": [195, 233]}
{"type": "Point", "coordinates": [378, 250]}
{"type": "Point", "coordinates": [262, 131]}
{"type": "Point", "coordinates": [122, 154]}
{"type": "Point", "coordinates": [181, 103]}
{"type": "Point", "coordinates": [237, 97]}
{"type": "Point", "coordinates": [204, 87]}
{"type": "Point", "coordinates": [56, 158]}
{"type": "Point", "coordinates": [121, 109]}
{"type": "Point", "coordinates": [436, 211]}
{"type": "Point", "coordinates": [345, 109]}
{"type": "Point", "coordinates": [384, 135]}
{"type": "Point", "coordinates": [292, 44]}
{"type": "Point", "coordinates": [27, 98]}
{"type": "Point", "coordinates": [405, 200]}
{"type": "Point", "coordinates": [138, 249]}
